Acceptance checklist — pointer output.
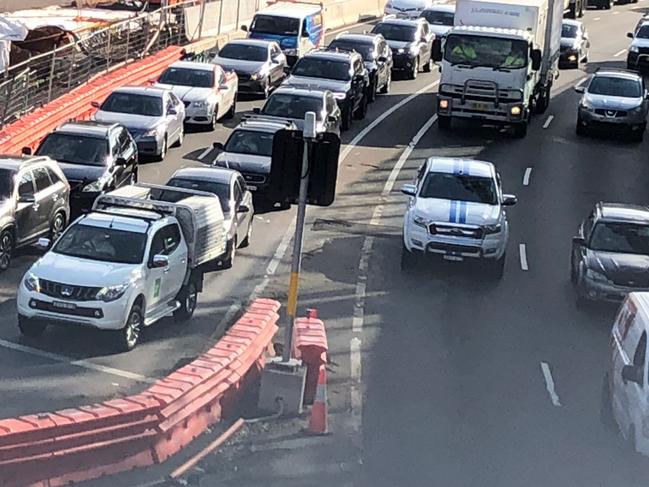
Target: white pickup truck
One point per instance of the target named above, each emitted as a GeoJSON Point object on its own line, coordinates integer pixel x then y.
{"type": "Point", "coordinates": [133, 260]}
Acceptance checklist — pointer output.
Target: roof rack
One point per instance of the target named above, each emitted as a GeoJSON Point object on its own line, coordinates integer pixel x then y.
{"type": "Point", "coordinates": [339, 49]}
{"type": "Point", "coordinates": [256, 117]}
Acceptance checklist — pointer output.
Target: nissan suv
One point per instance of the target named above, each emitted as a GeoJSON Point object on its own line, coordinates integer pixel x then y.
{"type": "Point", "coordinates": [35, 195]}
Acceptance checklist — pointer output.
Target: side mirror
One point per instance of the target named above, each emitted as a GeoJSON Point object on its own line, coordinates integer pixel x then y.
{"type": "Point", "coordinates": [382, 59]}
{"type": "Point", "coordinates": [27, 198]}
{"type": "Point", "coordinates": [256, 110]}
{"type": "Point", "coordinates": [579, 89]}
{"type": "Point", "coordinates": [437, 50]}
{"type": "Point", "coordinates": [629, 35]}
{"type": "Point", "coordinates": [218, 146]}
{"type": "Point", "coordinates": [536, 59]}
{"type": "Point", "coordinates": [578, 241]}
{"type": "Point", "coordinates": [27, 151]}
{"type": "Point", "coordinates": [409, 189]}
{"type": "Point", "coordinates": [509, 200]}
{"type": "Point", "coordinates": [631, 373]}
{"type": "Point", "coordinates": [224, 87]}
{"type": "Point", "coordinates": [332, 119]}
{"type": "Point", "coordinates": [95, 104]}
{"type": "Point", "coordinates": [172, 111]}
{"type": "Point", "coordinates": [243, 209]}
{"type": "Point", "coordinates": [244, 28]}
{"type": "Point", "coordinates": [305, 33]}
{"type": "Point", "coordinates": [43, 243]}
{"type": "Point", "coordinates": [159, 262]}
{"type": "Point", "coordinates": [120, 161]}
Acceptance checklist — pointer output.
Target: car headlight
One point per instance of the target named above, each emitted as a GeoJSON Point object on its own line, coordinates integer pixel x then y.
{"type": "Point", "coordinates": [151, 133]}
{"type": "Point", "coordinates": [413, 49]}
{"type": "Point", "coordinates": [255, 76]}
{"type": "Point", "coordinates": [420, 221]}
{"type": "Point", "coordinates": [584, 105]}
{"type": "Point", "coordinates": [32, 283]}
{"type": "Point", "coordinates": [112, 293]}
{"type": "Point", "coordinates": [94, 187]}
{"type": "Point", "coordinates": [637, 110]}
{"type": "Point", "coordinates": [340, 96]}
{"type": "Point", "coordinates": [633, 49]}
{"type": "Point", "coordinates": [401, 50]}
{"type": "Point", "coordinates": [199, 104]}
{"type": "Point", "coordinates": [596, 276]}
{"type": "Point", "coordinates": [490, 229]}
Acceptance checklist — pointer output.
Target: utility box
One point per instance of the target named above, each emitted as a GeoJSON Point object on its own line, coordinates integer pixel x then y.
{"type": "Point", "coordinates": [285, 381]}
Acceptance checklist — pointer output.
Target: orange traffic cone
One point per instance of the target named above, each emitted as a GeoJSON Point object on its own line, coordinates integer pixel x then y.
{"type": "Point", "coordinates": [318, 420]}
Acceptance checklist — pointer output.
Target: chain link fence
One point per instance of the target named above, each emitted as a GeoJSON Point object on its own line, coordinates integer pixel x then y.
{"type": "Point", "coordinates": [44, 77]}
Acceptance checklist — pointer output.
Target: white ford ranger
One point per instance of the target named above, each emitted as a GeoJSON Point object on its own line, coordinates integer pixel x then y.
{"type": "Point", "coordinates": [456, 210]}
{"type": "Point", "coordinates": [133, 260]}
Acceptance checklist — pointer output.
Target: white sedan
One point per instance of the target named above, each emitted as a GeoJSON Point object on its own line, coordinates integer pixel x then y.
{"type": "Point", "coordinates": [208, 92]}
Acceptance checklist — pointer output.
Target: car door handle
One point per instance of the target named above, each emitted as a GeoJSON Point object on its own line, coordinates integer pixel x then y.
{"type": "Point", "coordinates": [166, 270]}
{"type": "Point", "coordinates": [182, 261]}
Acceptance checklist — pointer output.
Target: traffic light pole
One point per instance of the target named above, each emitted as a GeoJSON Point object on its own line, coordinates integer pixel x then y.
{"type": "Point", "coordinates": [309, 135]}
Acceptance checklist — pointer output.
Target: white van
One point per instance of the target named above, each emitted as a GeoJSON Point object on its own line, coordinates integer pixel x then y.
{"type": "Point", "coordinates": [628, 384]}
{"type": "Point", "coordinates": [298, 27]}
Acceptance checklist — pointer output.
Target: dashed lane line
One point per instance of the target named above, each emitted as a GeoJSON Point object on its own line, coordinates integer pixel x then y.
{"type": "Point", "coordinates": [526, 176]}
{"type": "Point", "coordinates": [549, 384]}
{"type": "Point", "coordinates": [619, 53]}
{"type": "Point", "coordinates": [204, 153]}
{"type": "Point", "coordinates": [548, 121]}
{"type": "Point", "coordinates": [523, 256]}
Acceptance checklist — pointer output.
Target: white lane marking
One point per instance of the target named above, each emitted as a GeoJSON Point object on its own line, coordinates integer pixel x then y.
{"type": "Point", "coordinates": [596, 19]}
{"type": "Point", "coordinates": [204, 153]}
{"type": "Point", "coordinates": [380, 118]}
{"type": "Point", "coordinates": [523, 255]}
{"type": "Point", "coordinates": [548, 121]}
{"type": "Point", "coordinates": [356, 386]}
{"type": "Point", "coordinates": [78, 363]}
{"type": "Point", "coordinates": [616, 12]}
{"type": "Point", "coordinates": [549, 384]}
{"type": "Point", "coordinates": [619, 53]}
{"type": "Point", "coordinates": [526, 176]}
{"type": "Point", "coordinates": [348, 27]}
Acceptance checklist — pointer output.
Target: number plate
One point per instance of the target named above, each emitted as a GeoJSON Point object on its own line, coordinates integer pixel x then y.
{"type": "Point", "coordinates": [61, 305]}
{"type": "Point", "coordinates": [483, 107]}
{"type": "Point", "coordinates": [251, 188]}
{"type": "Point", "coordinates": [456, 258]}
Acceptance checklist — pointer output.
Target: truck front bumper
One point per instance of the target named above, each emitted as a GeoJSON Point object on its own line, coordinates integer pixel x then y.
{"type": "Point", "coordinates": [503, 113]}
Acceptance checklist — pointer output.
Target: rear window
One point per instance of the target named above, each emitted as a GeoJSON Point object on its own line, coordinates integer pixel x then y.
{"type": "Point", "coordinates": [149, 106]}
{"type": "Point", "coordinates": [312, 67]}
{"type": "Point", "coordinates": [394, 32]}
{"type": "Point", "coordinates": [439, 18]}
{"type": "Point", "coordinates": [6, 183]}
{"type": "Point", "coordinates": [198, 78]}
{"type": "Point", "coordinates": [292, 106]}
{"type": "Point", "coordinates": [244, 52]}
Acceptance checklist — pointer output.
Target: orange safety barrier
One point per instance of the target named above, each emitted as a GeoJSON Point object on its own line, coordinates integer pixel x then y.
{"type": "Point", "coordinates": [87, 442]}
{"type": "Point", "coordinates": [30, 129]}
{"type": "Point", "coordinates": [310, 345]}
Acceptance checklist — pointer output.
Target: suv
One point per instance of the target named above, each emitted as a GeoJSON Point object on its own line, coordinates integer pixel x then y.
{"type": "Point", "coordinates": [95, 158]}
{"type": "Point", "coordinates": [249, 150]}
{"type": "Point", "coordinates": [457, 211]}
{"type": "Point", "coordinates": [377, 57]}
{"type": "Point", "coordinates": [343, 73]}
{"type": "Point", "coordinates": [440, 17]}
{"type": "Point", "coordinates": [36, 203]}
{"type": "Point", "coordinates": [638, 56]}
{"type": "Point", "coordinates": [613, 100]}
{"type": "Point", "coordinates": [291, 104]}
{"type": "Point", "coordinates": [610, 253]}
{"type": "Point", "coordinates": [411, 42]}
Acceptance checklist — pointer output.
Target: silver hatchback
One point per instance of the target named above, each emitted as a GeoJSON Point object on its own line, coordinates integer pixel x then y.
{"type": "Point", "coordinates": [613, 100]}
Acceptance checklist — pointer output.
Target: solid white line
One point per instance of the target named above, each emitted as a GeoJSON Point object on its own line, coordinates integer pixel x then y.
{"type": "Point", "coordinates": [523, 254]}
{"type": "Point", "coordinates": [549, 384]}
{"type": "Point", "coordinates": [78, 363]}
{"type": "Point", "coordinates": [619, 53]}
{"type": "Point", "coordinates": [548, 121]}
{"type": "Point", "coordinates": [204, 153]}
{"type": "Point", "coordinates": [596, 19]}
{"type": "Point", "coordinates": [356, 386]}
{"type": "Point", "coordinates": [616, 13]}
{"type": "Point", "coordinates": [526, 176]}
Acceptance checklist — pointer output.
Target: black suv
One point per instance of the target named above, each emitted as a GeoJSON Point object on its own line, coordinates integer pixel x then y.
{"type": "Point", "coordinates": [35, 198]}
{"type": "Point", "coordinates": [377, 57]}
{"type": "Point", "coordinates": [95, 158]}
{"type": "Point", "coordinates": [411, 42]}
{"type": "Point", "coordinates": [342, 73]}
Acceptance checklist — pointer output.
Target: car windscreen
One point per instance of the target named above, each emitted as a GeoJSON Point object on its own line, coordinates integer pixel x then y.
{"type": "Point", "coordinates": [460, 187]}
{"type": "Point", "coordinates": [614, 86]}
{"type": "Point", "coordinates": [394, 32]}
{"type": "Point", "coordinates": [75, 149]}
{"type": "Point", "coordinates": [102, 244]}
{"type": "Point", "coordinates": [244, 52]}
{"type": "Point", "coordinates": [490, 52]}
{"type": "Point", "coordinates": [6, 183]}
{"type": "Point", "coordinates": [292, 106]}
{"type": "Point", "coordinates": [568, 31]}
{"type": "Point", "coordinates": [132, 104]}
{"type": "Point", "coordinates": [439, 18]}
{"type": "Point", "coordinates": [250, 142]}
{"type": "Point", "coordinates": [312, 67]}
{"type": "Point", "coordinates": [365, 49]}
{"type": "Point", "coordinates": [222, 190]}
{"type": "Point", "coordinates": [274, 24]}
{"type": "Point", "coordinates": [643, 32]}
{"type": "Point", "coordinates": [628, 238]}
{"type": "Point", "coordinates": [198, 78]}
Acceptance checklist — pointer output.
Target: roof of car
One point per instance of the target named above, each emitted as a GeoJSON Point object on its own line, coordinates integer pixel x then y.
{"type": "Point", "coordinates": [142, 90]}
{"type": "Point", "coordinates": [193, 65]}
{"type": "Point", "coordinates": [263, 125]}
{"type": "Point", "coordinates": [572, 22]}
{"type": "Point", "coordinates": [333, 55]}
{"type": "Point", "coordinates": [440, 8]}
{"type": "Point", "coordinates": [251, 42]}
{"type": "Point", "coordinates": [451, 165]}
{"type": "Point", "coordinates": [618, 73]}
{"type": "Point", "coordinates": [622, 212]}
{"type": "Point", "coordinates": [16, 162]}
{"type": "Point", "coordinates": [120, 219]}
{"type": "Point", "coordinates": [289, 90]}
{"type": "Point", "coordinates": [215, 174]}
{"type": "Point", "coordinates": [360, 38]}
{"type": "Point", "coordinates": [86, 127]}
{"type": "Point", "coordinates": [400, 21]}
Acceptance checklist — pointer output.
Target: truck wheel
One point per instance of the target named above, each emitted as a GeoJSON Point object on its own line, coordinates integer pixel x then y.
{"type": "Point", "coordinates": [572, 12]}
{"type": "Point", "coordinates": [520, 130]}
{"type": "Point", "coordinates": [188, 298]}
{"type": "Point", "coordinates": [129, 336]}
{"type": "Point", "coordinates": [444, 123]}
{"type": "Point", "coordinates": [543, 101]}
{"type": "Point", "coordinates": [6, 249]}
{"type": "Point", "coordinates": [30, 328]}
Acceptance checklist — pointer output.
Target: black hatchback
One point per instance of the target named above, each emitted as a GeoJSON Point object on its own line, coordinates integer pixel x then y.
{"type": "Point", "coordinates": [95, 158]}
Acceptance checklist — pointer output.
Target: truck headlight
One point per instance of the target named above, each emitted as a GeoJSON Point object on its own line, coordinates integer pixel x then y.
{"type": "Point", "coordinates": [420, 221]}
{"type": "Point", "coordinates": [443, 104]}
{"type": "Point", "coordinates": [112, 293]}
{"type": "Point", "coordinates": [596, 276]}
{"type": "Point", "coordinates": [94, 187]}
{"type": "Point", "coordinates": [491, 229]}
{"type": "Point", "coordinates": [516, 110]}
{"type": "Point", "coordinates": [32, 283]}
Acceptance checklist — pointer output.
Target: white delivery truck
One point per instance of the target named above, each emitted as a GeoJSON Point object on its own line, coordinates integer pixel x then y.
{"type": "Point", "coordinates": [139, 256]}
{"type": "Point", "coordinates": [499, 61]}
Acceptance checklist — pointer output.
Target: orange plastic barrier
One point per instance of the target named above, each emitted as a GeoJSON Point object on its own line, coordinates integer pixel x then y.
{"type": "Point", "coordinates": [310, 345]}
{"type": "Point", "coordinates": [29, 130]}
{"type": "Point", "coordinates": [87, 442]}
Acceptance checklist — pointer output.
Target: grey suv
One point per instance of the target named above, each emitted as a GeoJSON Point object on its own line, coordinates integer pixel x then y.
{"type": "Point", "coordinates": [35, 195]}
{"type": "Point", "coordinates": [613, 100]}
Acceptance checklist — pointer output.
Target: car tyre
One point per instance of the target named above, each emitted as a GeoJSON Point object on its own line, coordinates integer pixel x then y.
{"type": "Point", "coordinates": [233, 109]}
{"type": "Point", "coordinates": [607, 5]}
{"type": "Point", "coordinates": [428, 67]}
{"type": "Point", "coordinates": [181, 137]}
{"type": "Point", "coordinates": [215, 119]}
{"type": "Point", "coordinates": [638, 135]}
{"type": "Point", "coordinates": [231, 251]}
{"type": "Point", "coordinates": [372, 90]}
{"type": "Point", "coordinates": [580, 130]}
{"type": "Point", "coordinates": [606, 407]}
{"type": "Point", "coordinates": [246, 241]}
{"type": "Point", "coordinates": [188, 298]}
{"type": "Point", "coordinates": [129, 336]}
{"type": "Point", "coordinates": [57, 225]}
{"type": "Point", "coordinates": [266, 92]}
{"type": "Point", "coordinates": [347, 118]}
{"type": "Point", "coordinates": [361, 111]}
{"type": "Point", "coordinates": [6, 249]}
{"type": "Point", "coordinates": [386, 87]}
{"type": "Point", "coordinates": [497, 268]}
{"type": "Point", "coordinates": [444, 123]}
{"type": "Point", "coordinates": [163, 149]}
{"type": "Point", "coordinates": [409, 260]}
{"type": "Point", "coordinates": [30, 328]}
{"type": "Point", "coordinates": [414, 70]}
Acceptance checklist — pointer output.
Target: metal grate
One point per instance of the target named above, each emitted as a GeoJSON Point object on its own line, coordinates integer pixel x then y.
{"type": "Point", "coordinates": [67, 291]}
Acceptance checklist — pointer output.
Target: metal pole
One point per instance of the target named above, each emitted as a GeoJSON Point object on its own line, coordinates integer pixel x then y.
{"type": "Point", "coordinates": [200, 22]}
{"type": "Point", "coordinates": [51, 77]}
{"type": "Point", "coordinates": [220, 16]}
{"type": "Point", "coordinates": [236, 25]}
{"type": "Point", "coordinates": [309, 134]}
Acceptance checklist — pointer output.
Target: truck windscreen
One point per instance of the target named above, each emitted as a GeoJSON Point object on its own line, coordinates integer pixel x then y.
{"type": "Point", "coordinates": [275, 25]}
{"type": "Point", "coordinates": [102, 244]}
{"type": "Point", "coordinates": [490, 52]}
